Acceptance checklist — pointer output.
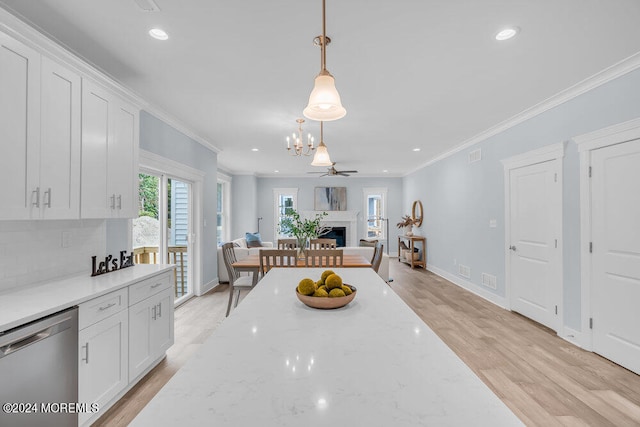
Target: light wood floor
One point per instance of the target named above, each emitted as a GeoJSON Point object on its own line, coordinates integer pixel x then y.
{"type": "Point", "coordinates": [545, 380]}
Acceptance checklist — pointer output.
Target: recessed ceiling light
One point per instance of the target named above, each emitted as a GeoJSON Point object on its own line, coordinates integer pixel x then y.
{"type": "Point", "coordinates": [507, 33]}
{"type": "Point", "coordinates": [276, 171]}
{"type": "Point", "coordinates": [416, 149]}
{"type": "Point", "coordinates": [255, 149]}
{"type": "Point", "coordinates": [385, 171]}
{"type": "Point", "coordinates": [158, 34]}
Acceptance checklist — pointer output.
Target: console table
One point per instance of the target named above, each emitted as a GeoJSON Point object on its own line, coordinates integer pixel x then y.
{"type": "Point", "coordinates": [411, 240]}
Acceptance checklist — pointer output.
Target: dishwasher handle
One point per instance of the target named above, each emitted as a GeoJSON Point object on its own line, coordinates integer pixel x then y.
{"type": "Point", "coordinates": [33, 338]}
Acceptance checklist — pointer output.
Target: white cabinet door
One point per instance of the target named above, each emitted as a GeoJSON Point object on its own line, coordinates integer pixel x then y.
{"type": "Point", "coordinates": [59, 142]}
{"type": "Point", "coordinates": [96, 130]}
{"type": "Point", "coordinates": [162, 327]}
{"type": "Point", "coordinates": [123, 161]}
{"type": "Point", "coordinates": [19, 128]}
{"type": "Point", "coordinates": [102, 361]}
{"type": "Point", "coordinates": [150, 331]}
{"type": "Point", "coordinates": [109, 155]}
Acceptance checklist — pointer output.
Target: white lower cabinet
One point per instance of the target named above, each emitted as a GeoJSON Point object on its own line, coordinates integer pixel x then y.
{"type": "Point", "coordinates": [150, 331]}
{"type": "Point", "coordinates": [102, 359]}
{"type": "Point", "coordinates": [121, 335]}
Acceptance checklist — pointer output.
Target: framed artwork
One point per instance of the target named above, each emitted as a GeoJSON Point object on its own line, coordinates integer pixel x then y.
{"type": "Point", "coordinates": [330, 199]}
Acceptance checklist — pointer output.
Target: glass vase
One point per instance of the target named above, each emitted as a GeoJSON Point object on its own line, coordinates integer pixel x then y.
{"type": "Point", "coordinates": [303, 244]}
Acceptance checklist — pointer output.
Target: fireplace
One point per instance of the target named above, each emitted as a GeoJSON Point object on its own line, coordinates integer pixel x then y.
{"type": "Point", "coordinates": [345, 219]}
{"type": "Point", "coordinates": [338, 233]}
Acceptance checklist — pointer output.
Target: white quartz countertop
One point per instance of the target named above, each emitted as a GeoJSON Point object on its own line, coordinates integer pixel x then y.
{"type": "Point", "coordinates": [28, 303]}
{"type": "Point", "coordinates": [277, 362]}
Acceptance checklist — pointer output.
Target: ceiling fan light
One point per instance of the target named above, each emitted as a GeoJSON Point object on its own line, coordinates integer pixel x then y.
{"type": "Point", "coordinates": [321, 158]}
{"type": "Point", "coordinates": [324, 101]}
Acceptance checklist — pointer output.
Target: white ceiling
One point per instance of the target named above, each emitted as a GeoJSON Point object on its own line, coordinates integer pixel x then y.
{"type": "Point", "coordinates": [411, 73]}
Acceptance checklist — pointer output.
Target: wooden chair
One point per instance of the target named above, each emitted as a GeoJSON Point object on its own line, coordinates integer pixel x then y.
{"type": "Point", "coordinates": [270, 258]}
{"type": "Point", "coordinates": [287, 243]}
{"type": "Point", "coordinates": [323, 258]}
{"type": "Point", "coordinates": [376, 259]}
{"type": "Point", "coordinates": [236, 281]}
{"type": "Point", "coordinates": [322, 244]}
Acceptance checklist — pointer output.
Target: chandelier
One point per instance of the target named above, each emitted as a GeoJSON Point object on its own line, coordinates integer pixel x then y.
{"type": "Point", "coordinates": [298, 146]}
{"type": "Point", "coordinates": [324, 101]}
{"type": "Point", "coordinates": [321, 157]}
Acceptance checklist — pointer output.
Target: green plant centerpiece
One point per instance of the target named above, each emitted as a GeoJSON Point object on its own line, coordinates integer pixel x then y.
{"type": "Point", "coordinates": [303, 229]}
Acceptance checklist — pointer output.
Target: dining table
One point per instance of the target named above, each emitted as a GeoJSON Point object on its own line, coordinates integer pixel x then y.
{"type": "Point", "coordinates": [278, 362]}
{"type": "Point", "coordinates": [251, 264]}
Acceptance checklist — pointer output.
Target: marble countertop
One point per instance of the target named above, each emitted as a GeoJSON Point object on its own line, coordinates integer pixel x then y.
{"type": "Point", "coordinates": [277, 362]}
{"type": "Point", "coordinates": [28, 303]}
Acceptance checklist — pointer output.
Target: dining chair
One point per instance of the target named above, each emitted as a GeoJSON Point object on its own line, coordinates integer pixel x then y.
{"type": "Point", "coordinates": [376, 259]}
{"type": "Point", "coordinates": [287, 243]}
{"type": "Point", "coordinates": [322, 244]}
{"type": "Point", "coordinates": [323, 258]}
{"type": "Point", "coordinates": [236, 281]}
{"type": "Point", "coordinates": [270, 258]}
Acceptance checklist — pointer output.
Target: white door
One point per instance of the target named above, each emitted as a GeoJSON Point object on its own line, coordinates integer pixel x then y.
{"type": "Point", "coordinates": [535, 221]}
{"type": "Point", "coordinates": [19, 125]}
{"type": "Point", "coordinates": [615, 285]}
{"type": "Point", "coordinates": [60, 142]}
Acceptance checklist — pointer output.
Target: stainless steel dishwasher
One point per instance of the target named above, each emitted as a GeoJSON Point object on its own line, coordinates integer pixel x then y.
{"type": "Point", "coordinates": [39, 371]}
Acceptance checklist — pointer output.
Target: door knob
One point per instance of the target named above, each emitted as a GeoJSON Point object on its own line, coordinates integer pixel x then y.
{"type": "Point", "coordinates": [513, 248]}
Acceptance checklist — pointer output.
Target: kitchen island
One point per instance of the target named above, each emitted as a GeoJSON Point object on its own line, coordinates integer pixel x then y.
{"type": "Point", "coordinates": [277, 362]}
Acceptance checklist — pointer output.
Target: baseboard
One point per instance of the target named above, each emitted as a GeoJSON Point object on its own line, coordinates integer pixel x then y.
{"type": "Point", "coordinates": [469, 286]}
{"type": "Point", "coordinates": [208, 286]}
{"type": "Point", "coordinates": [577, 338]}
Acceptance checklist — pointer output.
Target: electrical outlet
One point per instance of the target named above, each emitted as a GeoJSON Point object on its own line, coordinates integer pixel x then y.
{"type": "Point", "coordinates": [66, 239]}
{"type": "Point", "coordinates": [493, 223]}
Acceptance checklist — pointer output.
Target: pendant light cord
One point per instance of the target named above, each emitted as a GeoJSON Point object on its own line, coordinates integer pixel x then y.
{"type": "Point", "coordinates": [323, 46]}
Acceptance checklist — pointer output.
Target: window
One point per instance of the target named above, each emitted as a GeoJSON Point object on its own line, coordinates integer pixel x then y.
{"type": "Point", "coordinates": [223, 209]}
{"type": "Point", "coordinates": [284, 200]}
{"type": "Point", "coordinates": [375, 212]}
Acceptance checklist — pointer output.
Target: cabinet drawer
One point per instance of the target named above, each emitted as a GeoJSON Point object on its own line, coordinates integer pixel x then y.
{"type": "Point", "coordinates": [148, 287]}
{"type": "Point", "coordinates": [102, 307]}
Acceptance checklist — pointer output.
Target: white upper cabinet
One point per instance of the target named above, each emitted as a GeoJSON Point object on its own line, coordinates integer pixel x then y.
{"type": "Point", "coordinates": [59, 143]}
{"type": "Point", "coordinates": [109, 155]}
{"type": "Point", "coordinates": [19, 129]}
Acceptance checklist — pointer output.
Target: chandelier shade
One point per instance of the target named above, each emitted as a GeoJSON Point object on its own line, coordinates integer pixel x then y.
{"type": "Point", "coordinates": [321, 158]}
{"type": "Point", "coordinates": [324, 101]}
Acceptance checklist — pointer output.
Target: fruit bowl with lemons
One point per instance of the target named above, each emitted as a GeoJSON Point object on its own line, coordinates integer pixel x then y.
{"type": "Point", "coordinates": [328, 292]}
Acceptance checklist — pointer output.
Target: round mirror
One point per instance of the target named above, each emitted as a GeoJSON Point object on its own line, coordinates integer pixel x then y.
{"type": "Point", "coordinates": [416, 213]}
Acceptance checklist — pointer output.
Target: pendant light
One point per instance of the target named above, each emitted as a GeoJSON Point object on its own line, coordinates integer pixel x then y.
{"type": "Point", "coordinates": [321, 158]}
{"type": "Point", "coordinates": [324, 101]}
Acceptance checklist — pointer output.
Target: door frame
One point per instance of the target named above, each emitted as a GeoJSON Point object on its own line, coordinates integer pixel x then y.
{"type": "Point", "coordinates": [611, 135]}
{"type": "Point", "coordinates": [553, 152]}
{"type": "Point", "coordinates": [160, 165]}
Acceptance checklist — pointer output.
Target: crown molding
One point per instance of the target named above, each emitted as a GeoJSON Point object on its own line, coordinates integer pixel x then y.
{"type": "Point", "coordinates": [608, 74]}
{"type": "Point", "coordinates": [22, 30]}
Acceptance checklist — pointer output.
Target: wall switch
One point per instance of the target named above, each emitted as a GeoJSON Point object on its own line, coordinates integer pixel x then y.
{"type": "Point", "coordinates": [493, 223]}
{"type": "Point", "coordinates": [66, 239]}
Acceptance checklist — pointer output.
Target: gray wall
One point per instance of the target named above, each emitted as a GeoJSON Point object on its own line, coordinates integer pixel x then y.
{"type": "Point", "coordinates": [355, 199]}
{"type": "Point", "coordinates": [459, 198]}
{"type": "Point", "coordinates": [162, 139]}
{"type": "Point", "coordinates": [244, 205]}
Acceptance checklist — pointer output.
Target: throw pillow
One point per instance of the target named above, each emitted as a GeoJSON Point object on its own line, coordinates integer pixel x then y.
{"type": "Point", "coordinates": [253, 240]}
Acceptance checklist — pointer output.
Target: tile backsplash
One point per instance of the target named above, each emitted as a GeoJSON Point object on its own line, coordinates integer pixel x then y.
{"type": "Point", "coordinates": [36, 251]}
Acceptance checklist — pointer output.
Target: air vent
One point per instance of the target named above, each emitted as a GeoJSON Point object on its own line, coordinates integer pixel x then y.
{"type": "Point", "coordinates": [475, 156]}
{"type": "Point", "coordinates": [464, 271]}
{"type": "Point", "coordinates": [147, 5]}
{"type": "Point", "coordinates": [489, 281]}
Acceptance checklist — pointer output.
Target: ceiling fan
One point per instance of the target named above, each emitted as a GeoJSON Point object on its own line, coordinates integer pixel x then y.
{"type": "Point", "coordinates": [332, 171]}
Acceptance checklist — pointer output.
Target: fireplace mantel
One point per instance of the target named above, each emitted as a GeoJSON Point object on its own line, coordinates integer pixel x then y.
{"type": "Point", "coordinates": [348, 219]}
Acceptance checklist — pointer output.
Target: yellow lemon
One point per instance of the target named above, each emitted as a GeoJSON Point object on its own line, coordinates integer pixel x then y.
{"type": "Point", "coordinates": [307, 287]}
{"type": "Point", "coordinates": [347, 290]}
{"type": "Point", "coordinates": [321, 293]}
{"type": "Point", "coordinates": [326, 274]}
{"type": "Point", "coordinates": [335, 293]}
{"type": "Point", "coordinates": [333, 281]}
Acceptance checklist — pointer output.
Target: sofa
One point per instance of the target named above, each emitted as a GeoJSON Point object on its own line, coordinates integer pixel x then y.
{"type": "Point", "coordinates": [242, 251]}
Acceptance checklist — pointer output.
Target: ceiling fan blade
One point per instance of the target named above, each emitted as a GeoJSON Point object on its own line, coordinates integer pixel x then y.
{"type": "Point", "coordinates": [347, 171]}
